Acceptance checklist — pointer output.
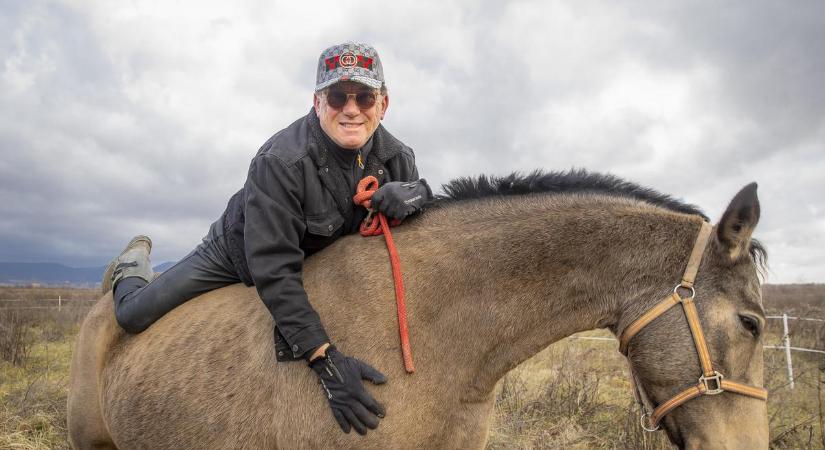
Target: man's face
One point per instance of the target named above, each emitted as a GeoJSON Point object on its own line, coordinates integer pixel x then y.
{"type": "Point", "coordinates": [351, 125]}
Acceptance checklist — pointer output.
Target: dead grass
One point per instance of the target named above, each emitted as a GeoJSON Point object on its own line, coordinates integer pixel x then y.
{"type": "Point", "coordinates": [33, 412]}
{"type": "Point", "coordinates": [15, 336]}
{"type": "Point", "coordinates": [33, 386]}
{"type": "Point", "coordinates": [803, 299]}
{"type": "Point", "coordinates": [573, 395]}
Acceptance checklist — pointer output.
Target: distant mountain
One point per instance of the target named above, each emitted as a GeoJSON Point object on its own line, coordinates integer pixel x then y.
{"type": "Point", "coordinates": [52, 273]}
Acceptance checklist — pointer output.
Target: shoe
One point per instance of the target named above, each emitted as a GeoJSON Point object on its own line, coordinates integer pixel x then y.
{"type": "Point", "coordinates": [133, 261]}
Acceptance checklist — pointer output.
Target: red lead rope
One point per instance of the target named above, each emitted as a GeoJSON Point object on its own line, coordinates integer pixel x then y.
{"type": "Point", "coordinates": [373, 225]}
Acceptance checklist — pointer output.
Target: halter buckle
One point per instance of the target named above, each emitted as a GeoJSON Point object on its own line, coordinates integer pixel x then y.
{"type": "Point", "coordinates": [645, 422]}
{"type": "Point", "coordinates": [715, 378]}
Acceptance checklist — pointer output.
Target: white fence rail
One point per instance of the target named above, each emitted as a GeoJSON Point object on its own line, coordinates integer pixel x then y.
{"type": "Point", "coordinates": [796, 349]}
{"type": "Point", "coordinates": [11, 303]}
{"type": "Point", "coordinates": [795, 318]}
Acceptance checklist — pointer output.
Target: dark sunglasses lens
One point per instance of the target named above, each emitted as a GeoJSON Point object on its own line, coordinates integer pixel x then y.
{"type": "Point", "coordinates": [365, 100]}
{"type": "Point", "coordinates": [337, 99]}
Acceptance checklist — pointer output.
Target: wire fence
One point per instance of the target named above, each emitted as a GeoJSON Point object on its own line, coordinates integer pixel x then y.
{"type": "Point", "coordinates": [60, 303]}
{"type": "Point", "coordinates": [786, 342]}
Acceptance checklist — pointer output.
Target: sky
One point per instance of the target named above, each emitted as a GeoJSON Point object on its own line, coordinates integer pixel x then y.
{"type": "Point", "coordinates": [141, 117]}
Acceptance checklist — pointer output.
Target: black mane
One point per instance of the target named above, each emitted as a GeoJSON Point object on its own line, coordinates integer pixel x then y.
{"type": "Point", "coordinates": [572, 181]}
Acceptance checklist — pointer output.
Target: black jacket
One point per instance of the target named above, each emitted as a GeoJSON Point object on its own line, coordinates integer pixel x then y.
{"type": "Point", "coordinates": [296, 201]}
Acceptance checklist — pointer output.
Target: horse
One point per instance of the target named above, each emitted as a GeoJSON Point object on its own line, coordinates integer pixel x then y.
{"type": "Point", "coordinates": [496, 270]}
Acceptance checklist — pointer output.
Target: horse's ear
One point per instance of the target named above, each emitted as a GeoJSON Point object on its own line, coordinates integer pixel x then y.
{"type": "Point", "coordinates": [738, 222]}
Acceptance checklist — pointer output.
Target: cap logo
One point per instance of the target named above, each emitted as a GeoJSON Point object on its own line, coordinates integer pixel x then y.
{"type": "Point", "coordinates": [348, 60]}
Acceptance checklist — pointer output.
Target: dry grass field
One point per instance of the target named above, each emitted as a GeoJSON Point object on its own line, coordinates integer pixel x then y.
{"type": "Point", "coordinates": [36, 340]}
{"type": "Point", "coordinates": [573, 395]}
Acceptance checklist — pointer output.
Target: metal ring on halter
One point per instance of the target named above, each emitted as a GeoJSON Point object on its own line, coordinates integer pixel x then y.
{"type": "Point", "coordinates": [716, 378]}
{"type": "Point", "coordinates": [692, 291]}
{"type": "Point", "coordinates": [645, 422]}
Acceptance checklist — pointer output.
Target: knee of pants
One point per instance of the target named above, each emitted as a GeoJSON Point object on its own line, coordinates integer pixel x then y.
{"type": "Point", "coordinates": [128, 312]}
{"type": "Point", "coordinates": [129, 322]}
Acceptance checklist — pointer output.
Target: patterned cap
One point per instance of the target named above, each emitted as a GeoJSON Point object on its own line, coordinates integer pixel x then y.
{"type": "Point", "coordinates": [350, 61]}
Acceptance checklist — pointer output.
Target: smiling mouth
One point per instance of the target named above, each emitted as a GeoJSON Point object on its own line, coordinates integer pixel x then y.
{"type": "Point", "coordinates": [351, 126]}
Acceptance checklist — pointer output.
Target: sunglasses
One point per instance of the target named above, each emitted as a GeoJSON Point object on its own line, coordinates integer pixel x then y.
{"type": "Point", "coordinates": [337, 99]}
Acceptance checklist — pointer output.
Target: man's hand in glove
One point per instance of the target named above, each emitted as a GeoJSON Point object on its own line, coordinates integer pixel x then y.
{"type": "Point", "coordinates": [351, 404]}
{"type": "Point", "coordinates": [399, 199]}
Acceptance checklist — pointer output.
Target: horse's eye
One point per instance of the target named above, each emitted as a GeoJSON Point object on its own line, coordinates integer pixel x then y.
{"type": "Point", "coordinates": [751, 324]}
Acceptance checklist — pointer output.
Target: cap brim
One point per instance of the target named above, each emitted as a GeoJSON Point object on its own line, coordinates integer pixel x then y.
{"type": "Point", "coordinates": [366, 81]}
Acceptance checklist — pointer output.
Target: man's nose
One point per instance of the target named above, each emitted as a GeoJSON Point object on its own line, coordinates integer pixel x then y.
{"type": "Point", "coordinates": [351, 106]}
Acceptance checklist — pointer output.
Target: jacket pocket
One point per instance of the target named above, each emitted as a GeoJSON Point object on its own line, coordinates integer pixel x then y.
{"type": "Point", "coordinates": [325, 225]}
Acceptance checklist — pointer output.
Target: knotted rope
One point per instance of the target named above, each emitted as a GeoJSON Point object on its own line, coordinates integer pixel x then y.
{"type": "Point", "coordinates": [374, 225]}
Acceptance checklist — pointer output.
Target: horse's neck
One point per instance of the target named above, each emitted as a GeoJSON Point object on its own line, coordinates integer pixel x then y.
{"type": "Point", "coordinates": [520, 279]}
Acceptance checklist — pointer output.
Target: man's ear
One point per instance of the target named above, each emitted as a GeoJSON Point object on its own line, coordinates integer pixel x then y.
{"type": "Point", "coordinates": [385, 103]}
{"type": "Point", "coordinates": [316, 102]}
{"type": "Point", "coordinates": [738, 222]}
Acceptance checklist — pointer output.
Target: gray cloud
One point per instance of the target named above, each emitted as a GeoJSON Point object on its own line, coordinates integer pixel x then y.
{"type": "Point", "coordinates": [124, 119]}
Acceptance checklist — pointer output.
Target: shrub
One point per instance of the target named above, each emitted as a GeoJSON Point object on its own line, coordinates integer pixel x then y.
{"type": "Point", "coordinates": [16, 336]}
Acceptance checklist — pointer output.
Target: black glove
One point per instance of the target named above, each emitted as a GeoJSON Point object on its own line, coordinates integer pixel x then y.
{"type": "Point", "coordinates": [351, 404]}
{"type": "Point", "coordinates": [399, 199]}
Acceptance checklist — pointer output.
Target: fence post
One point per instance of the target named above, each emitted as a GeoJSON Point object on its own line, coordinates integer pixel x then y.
{"type": "Point", "coordinates": [59, 303]}
{"type": "Point", "coordinates": [787, 341]}
{"type": "Point", "coordinates": [819, 399]}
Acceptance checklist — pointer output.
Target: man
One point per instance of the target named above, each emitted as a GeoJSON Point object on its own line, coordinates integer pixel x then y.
{"type": "Point", "coordinates": [297, 199]}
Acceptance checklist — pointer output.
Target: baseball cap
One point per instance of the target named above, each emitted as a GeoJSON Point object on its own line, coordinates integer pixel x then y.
{"type": "Point", "coordinates": [350, 61]}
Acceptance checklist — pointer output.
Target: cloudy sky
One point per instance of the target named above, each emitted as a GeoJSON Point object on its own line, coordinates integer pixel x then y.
{"type": "Point", "coordinates": [121, 118]}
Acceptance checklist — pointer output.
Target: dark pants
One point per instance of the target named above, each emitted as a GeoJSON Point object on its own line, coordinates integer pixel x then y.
{"type": "Point", "coordinates": [139, 304]}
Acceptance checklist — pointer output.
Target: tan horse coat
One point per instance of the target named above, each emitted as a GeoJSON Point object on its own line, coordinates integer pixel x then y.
{"type": "Point", "coordinates": [489, 283]}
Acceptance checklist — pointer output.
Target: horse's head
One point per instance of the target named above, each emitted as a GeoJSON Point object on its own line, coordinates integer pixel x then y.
{"type": "Point", "coordinates": [724, 411]}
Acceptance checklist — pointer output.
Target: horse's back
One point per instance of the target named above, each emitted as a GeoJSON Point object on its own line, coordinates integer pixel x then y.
{"type": "Point", "coordinates": [205, 374]}
{"type": "Point", "coordinates": [206, 369]}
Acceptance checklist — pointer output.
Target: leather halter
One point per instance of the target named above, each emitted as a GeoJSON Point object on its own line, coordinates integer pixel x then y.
{"type": "Point", "coordinates": [711, 382]}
